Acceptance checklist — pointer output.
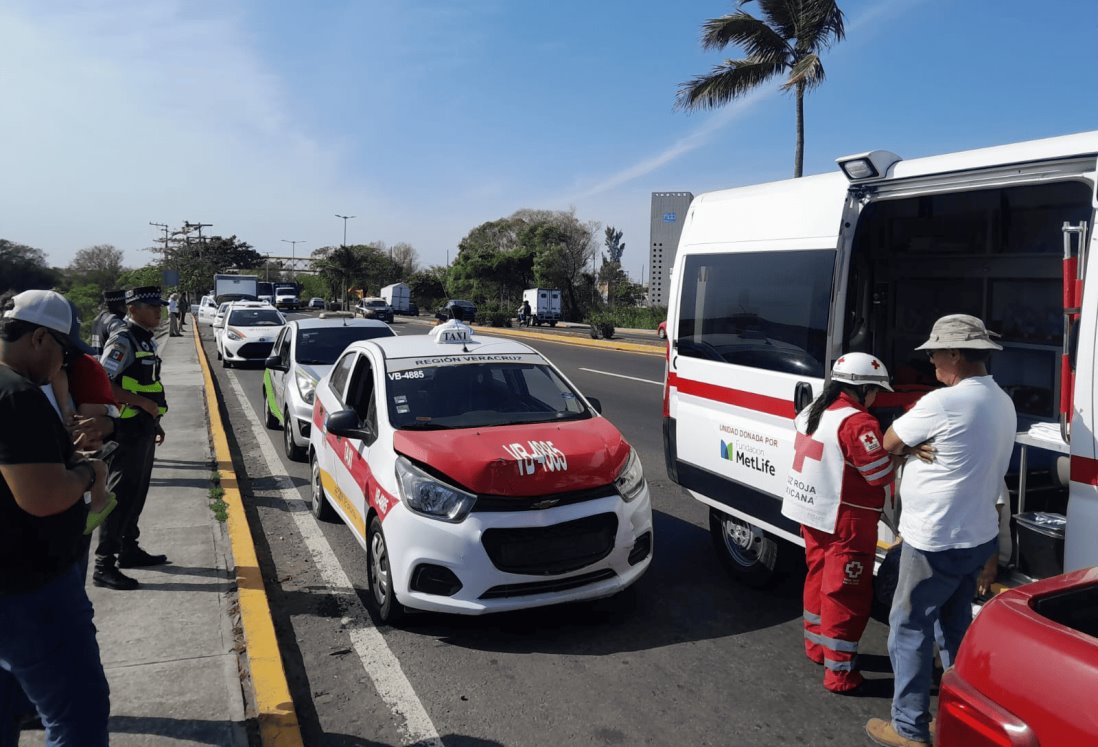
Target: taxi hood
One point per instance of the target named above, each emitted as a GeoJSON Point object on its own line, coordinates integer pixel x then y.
{"type": "Point", "coordinates": [521, 460]}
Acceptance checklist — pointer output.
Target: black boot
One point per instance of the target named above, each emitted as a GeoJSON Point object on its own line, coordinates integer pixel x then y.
{"type": "Point", "coordinates": [135, 557]}
{"type": "Point", "coordinates": [108, 576]}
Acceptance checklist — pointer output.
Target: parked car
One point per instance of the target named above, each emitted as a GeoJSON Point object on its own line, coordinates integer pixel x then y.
{"type": "Point", "coordinates": [375, 308]}
{"type": "Point", "coordinates": [248, 332]}
{"type": "Point", "coordinates": [316, 303]}
{"type": "Point", "coordinates": [218, 320]}
{"type": "Point", "coordinates": [303, 354]}
{"type": "Point", "coordinates": [468, 310]}
{"type": "Point", "coordinates": [207, 310]}
{"type": "Point", "coordinates": [476, 477]}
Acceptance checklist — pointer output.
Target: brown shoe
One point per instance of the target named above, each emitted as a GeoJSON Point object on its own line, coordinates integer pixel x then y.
{"type": "Point", "coordinates": [882, 732]}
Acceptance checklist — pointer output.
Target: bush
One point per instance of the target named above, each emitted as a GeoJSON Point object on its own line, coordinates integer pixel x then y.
{"type": "Point", "coordinates": [602, 325]}
{"type": "Point", "coordinates": [493, 315]}
{"type": "Point", "coordinates": [636, 317]}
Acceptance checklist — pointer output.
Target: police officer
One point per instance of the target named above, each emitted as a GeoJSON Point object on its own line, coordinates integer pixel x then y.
{"type": "Point", "coordinates": [838, 484]}
{"type": "Point", "coordinates": [109, 320]}
{"type": "Point", "coordinates": [134, 368]}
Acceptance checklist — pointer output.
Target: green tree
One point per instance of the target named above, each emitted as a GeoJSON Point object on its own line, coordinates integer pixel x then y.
{"type": "Point", "coordinates": [340, 266]}
{"type": "Point", "coordinates": [428, 287]}
{"type": "Point", "coordinates": [494, 263]}
{"type": "Point", "coordinates": [99, 265]}
{"type": "Point", "coordinates": [23, 268]}
{"type": "Point", "coordinates": [148, 275]}
{"type": "Point", "coordinates": [615, 247]}
{"type": "Point", "coordinates": [787, 40]}
{"type": "Point", "coordinates": [197, 261]}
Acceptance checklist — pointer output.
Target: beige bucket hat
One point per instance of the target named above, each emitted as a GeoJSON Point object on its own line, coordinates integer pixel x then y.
{"type": "Point", "coordinates": [960, 331]}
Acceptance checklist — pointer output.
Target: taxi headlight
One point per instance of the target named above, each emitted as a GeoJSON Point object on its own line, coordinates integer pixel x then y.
{"type": "Point", "coordinates": [630, 481]}
{"type": "Point", "coordinates": [232, 334]}
{"type": "Point", "coordinates": [306, 386]}
{"type": "Point", "coordinates": [425, 495]}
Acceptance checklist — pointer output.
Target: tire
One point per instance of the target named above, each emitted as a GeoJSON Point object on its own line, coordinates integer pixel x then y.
{"type": "Point", "coordinates": [225, 362]}
{"type": "Point", "coordinates": [662, 334]}
{"type": "Point", "coordinates": [381, 601]}
{"type": "Point", "coordinates": [552, 324]}
{"type": "Point", "coordinates": [219, 353]}
{"type": "Point", "coordinates": [747, 553]}
{"type": "Point", "coordinates": [269, 418]}
{"type": "Point", "coordinates": [318, 502]}
{"type": "Point", "coordinates": [294, 452]}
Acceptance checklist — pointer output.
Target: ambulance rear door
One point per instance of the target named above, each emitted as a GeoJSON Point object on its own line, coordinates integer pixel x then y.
{"type": "Point", "coordinates": [756, 279]}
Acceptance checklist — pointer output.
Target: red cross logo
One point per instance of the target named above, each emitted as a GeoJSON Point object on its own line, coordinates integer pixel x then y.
{"type": "Point", "coordinates": [806, 447]}
{"type": "Point", "coordinates": [875, 365]}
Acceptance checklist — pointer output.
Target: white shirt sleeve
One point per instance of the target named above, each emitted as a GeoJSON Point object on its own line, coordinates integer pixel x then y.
{"type": "Point", "coordinates": [923, 421]}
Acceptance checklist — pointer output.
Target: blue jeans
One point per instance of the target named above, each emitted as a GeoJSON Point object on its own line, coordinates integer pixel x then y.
{"type": "Point", "coordinates": [933, 602]}
{"type": "Point", "coordinates": [48, 651]}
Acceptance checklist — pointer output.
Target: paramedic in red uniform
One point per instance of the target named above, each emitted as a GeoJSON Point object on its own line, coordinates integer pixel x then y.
{"type": "Point", "coordinates": [836, 489]}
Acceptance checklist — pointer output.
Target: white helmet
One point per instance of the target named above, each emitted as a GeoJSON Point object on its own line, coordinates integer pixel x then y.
{"type": "Point", "coordinates": [860, 368]}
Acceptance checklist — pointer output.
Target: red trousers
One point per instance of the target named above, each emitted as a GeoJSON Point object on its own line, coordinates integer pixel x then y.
{"type": "Point", "coordinates": [838, 592]}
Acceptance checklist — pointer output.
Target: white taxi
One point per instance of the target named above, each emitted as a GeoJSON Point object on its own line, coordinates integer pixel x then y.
{"type": "Point", "coordinates": [247, 332]}
{"type": "Point", "coordinates": [475, 476]}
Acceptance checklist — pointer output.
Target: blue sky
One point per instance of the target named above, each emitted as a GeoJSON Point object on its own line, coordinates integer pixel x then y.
{"type": "Point", "coordinates": [425, 118]}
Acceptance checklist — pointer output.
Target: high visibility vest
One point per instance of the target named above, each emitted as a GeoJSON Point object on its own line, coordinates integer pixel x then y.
{"type": "Point", "coordinates": [142, 377]}
{"type": "Point", "coordinates": [813, 489]}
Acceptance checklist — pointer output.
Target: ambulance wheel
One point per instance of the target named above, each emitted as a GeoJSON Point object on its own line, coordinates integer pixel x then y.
{"type": "Point", "coordinates": [294, 452]}
{"type": "Point", "coordinates": [269, 418]}
{"type": "Point", "coordinates": [383, 603]}
{"type": "Point", "coordinates": [318, 502]}
{"type": "Point", "coordinates": [749, 554]}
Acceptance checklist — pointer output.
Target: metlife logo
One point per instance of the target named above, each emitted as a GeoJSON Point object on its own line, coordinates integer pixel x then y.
{"type": "Point", "coordinates": [751, 457]}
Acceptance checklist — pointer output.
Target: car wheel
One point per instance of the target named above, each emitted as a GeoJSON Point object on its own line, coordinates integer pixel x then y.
{"type": "Point", "coordinates": [382, 600]}
{"type": "Point", "coordinates": [225, 362]}
{"type": "Point", "coordinates": [219, 353]}
{"type": "Point", "coordinates": [269, 418]}
{"type": "Point", "coordinates": [293, 451]}
{"type": "Point", "coordinates": [318, 502]}
{"type": "Point", "coordinates": [662, 334]}
{"type": "Point", "coordinates": [747, 553]}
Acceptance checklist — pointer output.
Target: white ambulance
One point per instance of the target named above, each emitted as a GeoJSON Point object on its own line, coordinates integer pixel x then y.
{"type": "Point", "coordinates": [773, 282]}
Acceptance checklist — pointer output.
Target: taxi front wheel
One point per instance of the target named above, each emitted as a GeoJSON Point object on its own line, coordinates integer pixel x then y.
{"type": "Point", "coordinates": [382, 600]}
{"type": "Point", "coordinates": [318, 502]}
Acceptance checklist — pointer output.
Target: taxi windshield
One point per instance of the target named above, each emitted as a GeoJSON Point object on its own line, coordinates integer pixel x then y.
{"type": "Point", "coordinates": [255, 318]}
{"type": "Point", "coordinates": [476, 395]}
{"type": "Point", "coordinates": [321, 346]}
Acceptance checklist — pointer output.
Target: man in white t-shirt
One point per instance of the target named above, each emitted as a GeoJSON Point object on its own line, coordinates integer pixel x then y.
{"type": "Point", "coordinates": [949, 521]}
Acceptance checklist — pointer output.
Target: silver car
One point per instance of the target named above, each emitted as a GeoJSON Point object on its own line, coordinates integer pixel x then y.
{"type": "Point", "coordinates": [303, 353]}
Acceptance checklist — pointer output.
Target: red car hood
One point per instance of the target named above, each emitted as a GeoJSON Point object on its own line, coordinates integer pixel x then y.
{"type": "Point", "coordinates": [521, 460]}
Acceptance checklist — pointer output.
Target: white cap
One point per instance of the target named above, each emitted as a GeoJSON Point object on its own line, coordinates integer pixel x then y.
{"type": "Point", "coordinates": [44, 308]}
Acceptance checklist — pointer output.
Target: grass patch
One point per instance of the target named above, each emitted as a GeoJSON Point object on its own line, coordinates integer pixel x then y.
{"type": "Point", "coordinates": [217, 495]}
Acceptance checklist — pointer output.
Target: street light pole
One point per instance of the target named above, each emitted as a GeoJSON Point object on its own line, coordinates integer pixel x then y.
{"type": "Point", "coordinates": [345, 219]}
{"type": "Point", "coordinates": [293, 256]}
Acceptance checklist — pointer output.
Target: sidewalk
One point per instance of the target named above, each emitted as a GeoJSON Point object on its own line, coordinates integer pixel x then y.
{"type": "Point", "coordinates": [168, 646]}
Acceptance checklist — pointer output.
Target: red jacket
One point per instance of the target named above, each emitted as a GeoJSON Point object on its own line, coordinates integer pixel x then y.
{"type": "Point", "coordinates": [868, 474]}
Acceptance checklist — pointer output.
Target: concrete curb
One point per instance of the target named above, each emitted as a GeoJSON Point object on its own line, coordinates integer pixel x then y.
{"type": "Point", "coordinates": [277, 717]}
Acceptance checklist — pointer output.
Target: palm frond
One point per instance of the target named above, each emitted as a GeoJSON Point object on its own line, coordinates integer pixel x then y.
{"type": "Point", "coordinates": [821, 25]}
{"type": "Point", "coordinates": [724, 83]}
{"type": "Point", "coordinates": [758, 40]}
{"type": "Point", "coordinates": [782, 15]}
{"type": "Point", "coordinates": [808, 72]}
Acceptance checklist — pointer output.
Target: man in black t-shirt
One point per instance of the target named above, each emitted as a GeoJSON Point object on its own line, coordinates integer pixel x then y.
{"type": "Point", "coordinates": [48, 651]}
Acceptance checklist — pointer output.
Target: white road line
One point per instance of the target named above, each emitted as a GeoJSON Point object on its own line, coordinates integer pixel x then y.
{"type": "Point", "coordinates": [378, 660]}
{"type": "Point", "coordinates": [623, 376]}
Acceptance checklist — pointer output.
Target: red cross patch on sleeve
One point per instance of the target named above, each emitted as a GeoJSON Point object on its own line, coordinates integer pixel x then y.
{"type": "Point", "coordinates": [870, 442]}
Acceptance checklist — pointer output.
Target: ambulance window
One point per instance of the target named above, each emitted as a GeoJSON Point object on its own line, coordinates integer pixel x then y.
{"type": "Point", "coordinates": [761, 309]}
{"type": "Point", "coordinates": [337, 382]}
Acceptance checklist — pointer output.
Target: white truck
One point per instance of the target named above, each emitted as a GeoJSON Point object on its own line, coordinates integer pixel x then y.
{"type": "Point", "coordinates": [544, 305]}
{"type": "Point", "coordinates": [235, 288]}
{"type": "Point", "coordinates": [771, 283]}
{"type": "Point", "coordinates": [399, 297]}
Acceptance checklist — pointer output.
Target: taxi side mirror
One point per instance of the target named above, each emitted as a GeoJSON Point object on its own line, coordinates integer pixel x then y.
{"type": "Point", "coordinates": [596, 404]}
{"type": "Point", "coordinates": [345, 423]}
{"type": "Point", "coordinates": [274, 363]}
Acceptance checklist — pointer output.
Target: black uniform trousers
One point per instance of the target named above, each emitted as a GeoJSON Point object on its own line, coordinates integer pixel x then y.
{"type": "Point", "coordinates": [136, 438]}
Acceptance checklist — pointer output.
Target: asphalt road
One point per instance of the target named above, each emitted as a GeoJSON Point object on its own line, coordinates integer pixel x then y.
{"type": "Point", "coordinates": [686, 656]}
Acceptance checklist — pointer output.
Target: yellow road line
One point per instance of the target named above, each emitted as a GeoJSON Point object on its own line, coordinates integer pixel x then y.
{"type": "Point", "coordinates": [630, 347]}
{"type": "Point", "coordinates": [278, 724]}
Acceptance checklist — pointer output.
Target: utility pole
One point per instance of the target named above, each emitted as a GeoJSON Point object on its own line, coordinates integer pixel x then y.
{"type": "Point", "coordinates": [293, 255]}
{"type": "Point", "coordinates": [164, 251]}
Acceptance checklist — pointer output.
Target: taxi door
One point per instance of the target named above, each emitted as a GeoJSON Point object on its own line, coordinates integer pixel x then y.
{"type": "Point", "coordinates": [276, 378]}
{"type": "Point", "coordinates": [352, 472]}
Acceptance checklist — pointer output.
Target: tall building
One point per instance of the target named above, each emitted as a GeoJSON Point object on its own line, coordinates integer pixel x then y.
{"type": "Point", "coordinates": [668, 213]}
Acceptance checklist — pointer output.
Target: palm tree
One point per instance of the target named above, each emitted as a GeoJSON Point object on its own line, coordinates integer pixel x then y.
{"type": "Point", "coordinates": [789, 39]}
{"type": "Point", "coordinates": [341, 266]}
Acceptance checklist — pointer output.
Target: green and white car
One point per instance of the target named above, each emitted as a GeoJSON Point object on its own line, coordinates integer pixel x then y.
{"type": "Point", "coordinates": [302, 354]}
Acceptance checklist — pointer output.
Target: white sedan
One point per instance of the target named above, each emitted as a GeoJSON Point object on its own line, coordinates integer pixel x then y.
{"type": "Point", "coordinates": [248, 332]}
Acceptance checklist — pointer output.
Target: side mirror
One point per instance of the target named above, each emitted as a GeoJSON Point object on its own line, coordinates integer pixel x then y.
{"type": "Point", "coordinates": [345, 423]}
{"type": "Point", "coordinates": [595, 403]}
{"type": "Point", "coordinates": [274, 363]}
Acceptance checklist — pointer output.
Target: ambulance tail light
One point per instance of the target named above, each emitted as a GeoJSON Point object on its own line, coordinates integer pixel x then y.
{"type": "Point", "coordinates": [630, 481]}
{"type": "Point", "coordinates": [429, 496]}
{"type": "Point", "coordinates": [966, 717]}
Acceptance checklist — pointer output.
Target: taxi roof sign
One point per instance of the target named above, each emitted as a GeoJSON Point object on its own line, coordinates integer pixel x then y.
{"type": "Point", "coordinates": [452, 332]}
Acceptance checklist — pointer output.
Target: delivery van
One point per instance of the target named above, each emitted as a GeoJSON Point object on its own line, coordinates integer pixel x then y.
{"type": "Point", "coordinates": [771, 283]}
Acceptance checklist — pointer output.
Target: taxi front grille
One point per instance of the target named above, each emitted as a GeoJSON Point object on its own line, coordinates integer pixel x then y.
{"type": "Point", "coordinates": [502, 503]}
{"type": "Point", "coordinates": [547, 587]}
{"type": "Point", "coordinates": [552, 550]}
{"type": "Point", "coordinates": [255, 349]}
